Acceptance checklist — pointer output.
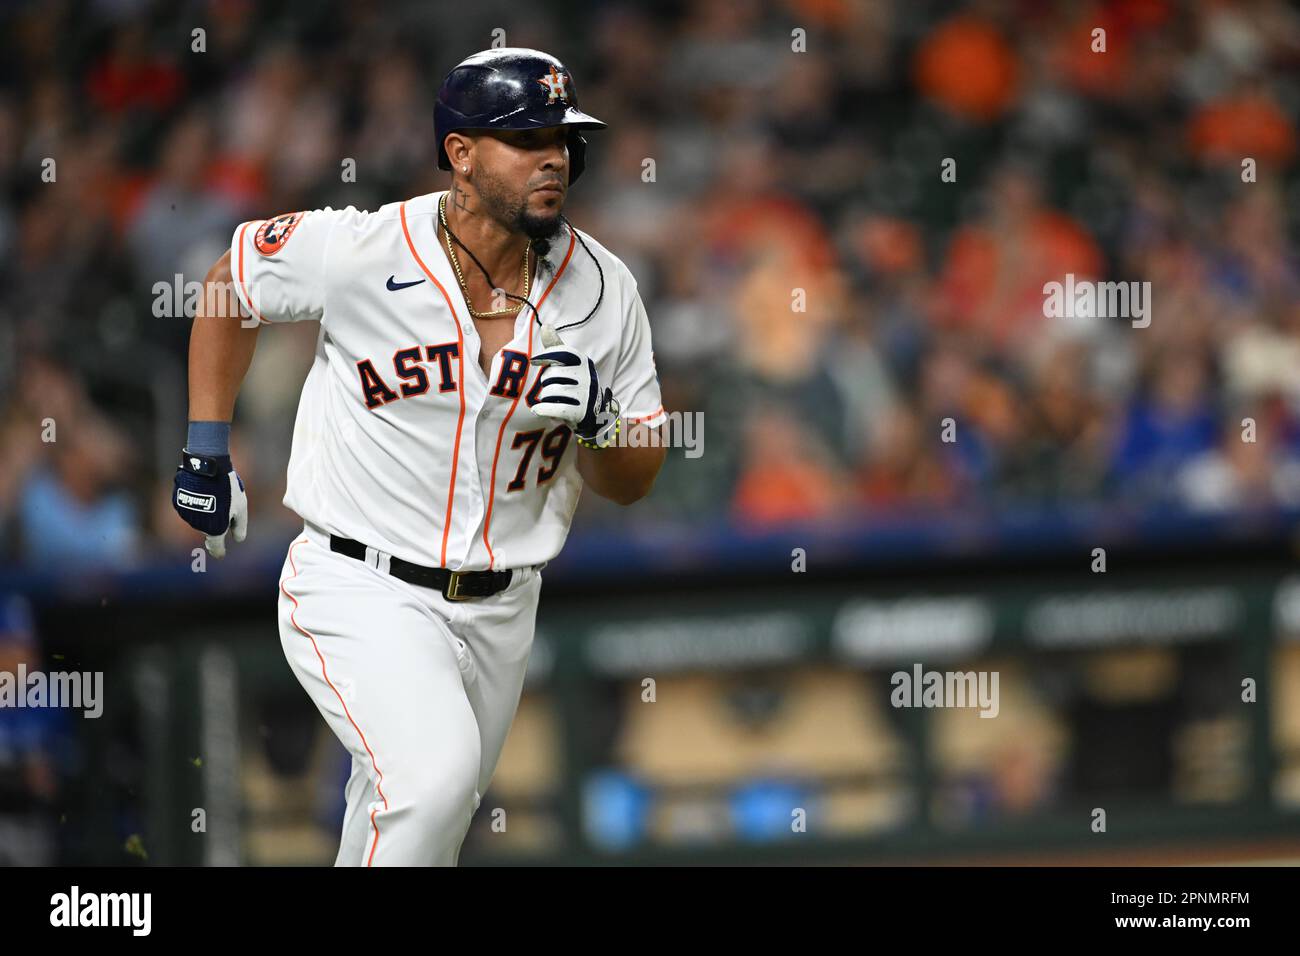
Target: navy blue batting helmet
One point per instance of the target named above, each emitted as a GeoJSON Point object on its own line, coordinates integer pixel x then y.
{"type": "Point", "coordinates": [511, 88]}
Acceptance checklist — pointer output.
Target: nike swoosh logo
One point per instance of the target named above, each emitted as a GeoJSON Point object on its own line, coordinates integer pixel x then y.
{"type": "Point", "coordinates": [394, 286]}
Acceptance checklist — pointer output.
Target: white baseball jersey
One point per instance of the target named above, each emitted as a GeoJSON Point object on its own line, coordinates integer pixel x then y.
{"type": "Point", "coordinates": [401, 442]}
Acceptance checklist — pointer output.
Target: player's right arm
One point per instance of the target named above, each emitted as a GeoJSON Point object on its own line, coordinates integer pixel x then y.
{"type": "Point", "coordinates": [207, 492]}
{"type": "Point", "coordinates": [263, 278]}
{"type": "Point", "coordinates": [222, 342]}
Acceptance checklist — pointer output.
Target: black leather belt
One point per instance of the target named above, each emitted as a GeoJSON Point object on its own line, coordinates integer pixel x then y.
{"type": "Point", "coordinates": [454, 585]}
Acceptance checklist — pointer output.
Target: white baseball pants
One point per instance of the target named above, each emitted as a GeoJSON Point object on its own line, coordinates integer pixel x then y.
{"type": "Point", "coordinates": [419, 689]}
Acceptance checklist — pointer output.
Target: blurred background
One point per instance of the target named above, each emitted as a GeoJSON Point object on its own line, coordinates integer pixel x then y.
{"type": "Point", "coordinates": [828, 536]}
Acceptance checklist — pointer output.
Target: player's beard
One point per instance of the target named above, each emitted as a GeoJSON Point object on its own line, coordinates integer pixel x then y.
{"type": "Point", "coordinates": [511, 210]}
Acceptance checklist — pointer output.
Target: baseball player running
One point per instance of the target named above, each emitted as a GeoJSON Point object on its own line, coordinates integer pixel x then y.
{"type": "Point", "coordinates": [479, 360]}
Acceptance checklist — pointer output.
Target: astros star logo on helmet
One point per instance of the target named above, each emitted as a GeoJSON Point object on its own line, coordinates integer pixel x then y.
{"type": "Point", "coordinates": [557, 85]}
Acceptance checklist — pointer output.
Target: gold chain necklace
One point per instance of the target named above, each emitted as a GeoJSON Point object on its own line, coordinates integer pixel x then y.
{"type": "Point", "coordinates": [455, 262]}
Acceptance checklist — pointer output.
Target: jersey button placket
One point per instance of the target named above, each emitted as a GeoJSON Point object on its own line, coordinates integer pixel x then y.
{"type": "Point", "coordinates": [471, 503]}
{"type": "Point", "coordinates": [519, 343]}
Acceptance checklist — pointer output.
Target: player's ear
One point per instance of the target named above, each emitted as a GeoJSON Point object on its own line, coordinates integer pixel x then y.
{"type": "Point", "coordinates": [459, 148]}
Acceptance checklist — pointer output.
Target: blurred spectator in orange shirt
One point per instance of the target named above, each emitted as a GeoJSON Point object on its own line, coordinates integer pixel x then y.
{"type": "Point", "coordinates": [967, 66]}
{"type": "Point", "coordinates": [1246, 123]}
{"type": "Point", "coordinates": [992, 282]}
{"type": "Point", "coordinates": [787, 473]}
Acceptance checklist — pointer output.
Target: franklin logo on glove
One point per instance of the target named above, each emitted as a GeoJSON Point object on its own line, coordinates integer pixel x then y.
{"type": "Point", "coordinates": [206, 503]}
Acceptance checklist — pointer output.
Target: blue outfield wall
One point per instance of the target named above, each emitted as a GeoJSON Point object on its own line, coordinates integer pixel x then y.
{"type": "Point", "coordinates": [899, 543]}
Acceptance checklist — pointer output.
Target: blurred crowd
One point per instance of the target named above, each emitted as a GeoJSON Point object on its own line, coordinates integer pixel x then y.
{"type": "Point", "coordinates": [841, 215]}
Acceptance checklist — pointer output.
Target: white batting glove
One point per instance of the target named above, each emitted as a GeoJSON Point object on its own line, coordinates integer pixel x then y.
{"type": "Point", "coordinates": [216, 544]}
{"type": "Point", "coordinates": [571, 391]}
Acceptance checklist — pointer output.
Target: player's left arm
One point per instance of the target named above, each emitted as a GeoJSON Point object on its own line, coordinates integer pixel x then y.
{"type": "Point", "coordinates": [618, 422]}
{"type": "Point", "coordinates": [621, 473]}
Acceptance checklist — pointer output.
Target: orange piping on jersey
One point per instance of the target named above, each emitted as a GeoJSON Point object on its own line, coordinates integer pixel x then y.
{"type": "Point", "coordinates": [645, 418]}
{"type": "Point", "coordinates": [523, 387]}
{"type": "Point", "coordinates": [460, 385]}
{"type": "Point", "coordinates": [379, 785]}
{"type": "Point", "coordinates": [242, 285]}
